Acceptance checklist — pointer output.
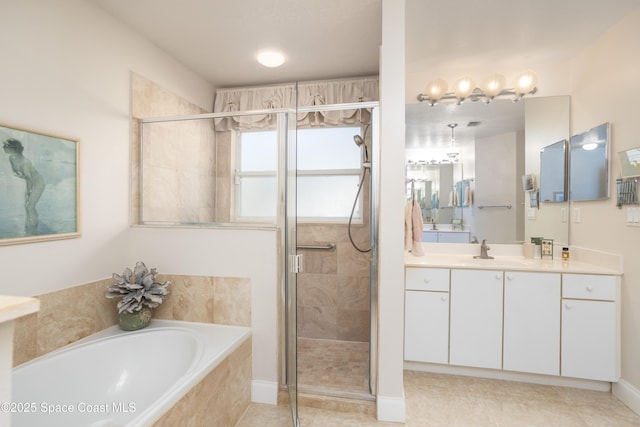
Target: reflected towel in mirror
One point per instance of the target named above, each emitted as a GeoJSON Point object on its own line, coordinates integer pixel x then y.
{"type": "Point", "coordinates": [413, 228]}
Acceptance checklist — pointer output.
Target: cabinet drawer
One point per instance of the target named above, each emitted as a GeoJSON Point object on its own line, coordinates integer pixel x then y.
{"type": "Point", "coordinates": [589, 286]}
{"type": "Point", "coordinates": [427, 279]}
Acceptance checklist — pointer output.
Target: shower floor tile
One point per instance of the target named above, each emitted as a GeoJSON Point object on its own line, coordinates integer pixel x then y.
{"type": "Point", "coordinates": [341, 366]}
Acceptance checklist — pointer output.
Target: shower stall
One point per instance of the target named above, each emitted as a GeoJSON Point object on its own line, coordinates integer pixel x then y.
{"type": "Point", "coordinates": [318, 187]}
{"type": "Point", "coordinates": [330, 301]}
{"type": "Point", "coordinates": [336, 287]}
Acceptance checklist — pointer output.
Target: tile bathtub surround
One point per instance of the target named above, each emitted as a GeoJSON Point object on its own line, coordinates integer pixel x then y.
{"type": "Point", "coordinates": [71, 314]}
{"type": "Point", "coordinates": [220, 398]}
{"type": "Point", "coordinates": [65, 316]}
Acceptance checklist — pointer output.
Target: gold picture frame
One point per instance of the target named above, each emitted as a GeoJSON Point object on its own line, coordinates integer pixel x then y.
{"type": "Point", "coordinates": [39, 186]}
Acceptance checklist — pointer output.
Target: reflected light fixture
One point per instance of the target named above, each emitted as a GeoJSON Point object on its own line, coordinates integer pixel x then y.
{"type": "Point", "coordinates": [453, 153]}
{"type": "Point", "coordinates": [492, 87]}
{"type": "Point", "coordinates": [270, 58]}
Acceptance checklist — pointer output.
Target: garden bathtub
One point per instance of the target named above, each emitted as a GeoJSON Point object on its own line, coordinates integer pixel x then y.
{"type": "Point", "coordinates": [118, 378]}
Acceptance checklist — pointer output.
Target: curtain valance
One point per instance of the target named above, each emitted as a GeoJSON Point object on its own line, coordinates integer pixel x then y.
{"type": "Point", "coordinates": [284, 96]}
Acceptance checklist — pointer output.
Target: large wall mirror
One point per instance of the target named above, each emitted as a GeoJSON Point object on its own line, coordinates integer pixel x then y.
{"type": "Point", "coordinates": [495, 144]}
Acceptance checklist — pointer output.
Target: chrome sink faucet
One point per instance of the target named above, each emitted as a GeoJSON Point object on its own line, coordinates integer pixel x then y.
{"type": "Point", "coordinates": [483, 251]}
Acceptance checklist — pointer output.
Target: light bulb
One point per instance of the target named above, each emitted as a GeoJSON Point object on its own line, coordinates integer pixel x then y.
{"type": "Point", "coordinates": [463, 88]}
{"type": "Point", "coordinates": [493, 85]}
{"type": "Point", "coordinates": [271, 58]}
{"type": "Point", "coordinates": [525, 83]}
{"type": "Point", "coordinates": [436, 90]}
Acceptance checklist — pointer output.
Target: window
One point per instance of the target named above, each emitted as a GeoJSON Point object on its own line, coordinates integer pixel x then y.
{"type": "Point", "coordinates": [328, 174]}
{"type": "Point", "coordinates": [256, 177]}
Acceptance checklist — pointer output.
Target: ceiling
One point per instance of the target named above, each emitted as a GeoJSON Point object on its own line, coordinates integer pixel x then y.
{"type": "Point", "coordinates": [219, 39]}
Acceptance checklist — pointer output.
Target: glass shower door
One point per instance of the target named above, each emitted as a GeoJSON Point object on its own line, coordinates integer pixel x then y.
{"type": "Point", "coordinates": [287, 135]}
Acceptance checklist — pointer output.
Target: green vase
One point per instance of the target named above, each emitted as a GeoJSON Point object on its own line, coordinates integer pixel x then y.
{"type": "Point", "coordinates": [136, 320]}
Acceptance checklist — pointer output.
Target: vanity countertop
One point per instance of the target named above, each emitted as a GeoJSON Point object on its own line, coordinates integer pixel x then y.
{"type": "Point", "coordinates": [12, 307]}
{"type": "Point", "coordinates": [506, 257]}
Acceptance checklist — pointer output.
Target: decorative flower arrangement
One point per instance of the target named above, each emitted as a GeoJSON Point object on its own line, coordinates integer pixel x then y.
{"type": "Point", "coordinates": [138, 289]}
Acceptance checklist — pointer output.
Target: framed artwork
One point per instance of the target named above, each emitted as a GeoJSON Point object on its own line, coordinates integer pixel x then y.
{"type": "Point", "coordinates": [38, 186]}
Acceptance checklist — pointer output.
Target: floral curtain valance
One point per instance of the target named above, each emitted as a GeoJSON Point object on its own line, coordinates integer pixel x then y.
{"type": "Point", "coordinates": [284, 96]}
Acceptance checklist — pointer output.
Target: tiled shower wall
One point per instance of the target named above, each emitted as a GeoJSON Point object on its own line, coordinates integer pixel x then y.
{"type": "Point", "coordinates": [179, 158]}
{"type": "Point", "coordinates": [71, 314]}
{"type": "Point", "coordinates": [333, 289]}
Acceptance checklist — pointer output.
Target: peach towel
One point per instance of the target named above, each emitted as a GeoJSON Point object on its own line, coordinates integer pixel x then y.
{"type": "Point", "coordinates": [413, 228]}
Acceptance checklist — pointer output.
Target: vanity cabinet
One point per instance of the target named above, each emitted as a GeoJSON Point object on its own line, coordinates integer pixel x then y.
{"type": "Point", "coordinates": [476, 318]}
{"type": "Point", "coordinates": [532, 322]}
{"type": "Point", "coordinates": [590, 327]}
{"type": "Point", "coordinates": [427, 315]}
{"type": "Point", "coordinates": [549, 323]}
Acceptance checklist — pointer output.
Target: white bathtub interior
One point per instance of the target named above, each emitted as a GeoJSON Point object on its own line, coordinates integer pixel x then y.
{"type": "Point", "coordinates": [118, 378]}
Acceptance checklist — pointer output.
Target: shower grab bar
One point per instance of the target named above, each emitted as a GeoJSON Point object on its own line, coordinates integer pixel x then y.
{"type": "Point", "coordinates": [495, 206]}
{"type": "Point", "coordinates": [327, 247]}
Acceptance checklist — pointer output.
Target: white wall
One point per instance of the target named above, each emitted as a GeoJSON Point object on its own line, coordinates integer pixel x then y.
{"type": "Point", "coordinates": [66, 70]}
{"type": "Point", "coordinates": [606, 89]}
{"type": "Point", "coordinates": [390, 400]}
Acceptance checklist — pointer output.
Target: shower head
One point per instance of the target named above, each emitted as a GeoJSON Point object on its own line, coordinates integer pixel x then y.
{"type": "Point", "coordinates": [363, 149]}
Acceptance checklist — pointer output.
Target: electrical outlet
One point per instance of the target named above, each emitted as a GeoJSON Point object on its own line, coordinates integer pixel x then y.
{"type": "Point", "coordinates": [577, 215]}
{"type": "Point", "coordinates": [633, 217]}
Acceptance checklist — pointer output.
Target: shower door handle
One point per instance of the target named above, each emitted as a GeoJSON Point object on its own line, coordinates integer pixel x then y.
{"type": "Point", "coordinates": [296, 263]}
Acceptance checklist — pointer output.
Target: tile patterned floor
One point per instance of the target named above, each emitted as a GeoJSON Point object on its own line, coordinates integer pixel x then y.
{"type": "Point", "coordinates": [447, 400]}
{"type": "Point", "coordinates": [338, 365]}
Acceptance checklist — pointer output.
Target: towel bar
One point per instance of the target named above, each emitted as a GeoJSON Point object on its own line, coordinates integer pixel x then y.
{"type": "Point", "coordinates": [495, 206]}
{"type": "Point", "coordinates": [326, 247]}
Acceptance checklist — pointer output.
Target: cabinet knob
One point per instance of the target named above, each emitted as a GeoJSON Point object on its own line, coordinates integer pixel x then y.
{"type": "Point", "coordinates": [568, 306]}
{"type": "Point", "coordinates": [427, 280]}
{"type": "Point", "coordinates": [589, 288]}
{"type": "Point", "coordinates": [444, 298]}
{"type": "Point", "coordinates": [509, 277]}
{"type": "Point", "coordinates": [498, 276]}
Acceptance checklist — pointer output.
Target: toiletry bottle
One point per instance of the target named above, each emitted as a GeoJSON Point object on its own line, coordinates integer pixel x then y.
{"type": "Point", "coordinates": [565, 253]}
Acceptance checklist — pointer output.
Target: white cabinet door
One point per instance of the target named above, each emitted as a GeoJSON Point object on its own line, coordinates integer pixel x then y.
{"type": "Point", "coordinates": [427, 279]}
{"type": "Point", "coordinates": [426, 326]}
{"type": "Point", "coordinates": [589, 340]}
{"type": "Point", "coordinates": [476, 318]}
{"type": "Point", "coordinates": [532, 322]}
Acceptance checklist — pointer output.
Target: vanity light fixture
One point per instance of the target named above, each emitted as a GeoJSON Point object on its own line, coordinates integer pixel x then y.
{"type": "Point", "coordinates": [492, 87]}
{"type": "Point", "coordinates": [270, 58]}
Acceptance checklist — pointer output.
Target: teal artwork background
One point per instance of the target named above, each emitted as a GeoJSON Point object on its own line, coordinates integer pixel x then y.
{"type": "Point", "coordinates": [56, 160]}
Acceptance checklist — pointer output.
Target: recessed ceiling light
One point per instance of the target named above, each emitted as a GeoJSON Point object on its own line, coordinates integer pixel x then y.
{"type": "Point", "coordinates": [271, 58]}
